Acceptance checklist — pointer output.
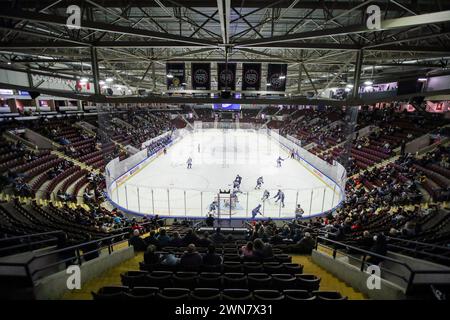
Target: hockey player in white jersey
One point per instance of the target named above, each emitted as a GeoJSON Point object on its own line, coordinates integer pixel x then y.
{"type": "Point", "coordinates": [213, 207]}
{"type": "Point", "coordinates": [189, 163]}
{"type": "Point", "coordinates": [279, 162]}
{"type": "Point", "coordinates": [259, 183]}
{"type": "Point", "coordinates": [280, 197]}
{"type": "Point", "coordinates": [266, 195]}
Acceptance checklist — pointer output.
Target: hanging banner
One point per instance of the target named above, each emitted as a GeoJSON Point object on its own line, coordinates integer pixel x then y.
{"type": "Point", "coordinates": [276, 77]}
{"type": "Point", "coordinates": [201, 76]}
{"type": "Point", "coordinates": [251, 76]}
{"type": "Point", "coordinates": [176, 76]}
{"type": "Point", "coordinates": [226, 74]}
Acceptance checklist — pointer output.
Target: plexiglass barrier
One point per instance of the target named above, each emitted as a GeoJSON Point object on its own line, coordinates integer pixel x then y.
{"type": "Point", "coordinates": [176, 202]}
{"type": "Point", "coordinates": [181, 203]}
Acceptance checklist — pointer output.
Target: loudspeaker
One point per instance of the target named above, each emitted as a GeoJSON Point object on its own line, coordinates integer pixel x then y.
{"type": "Point", "coordinates": [109, 91]}
{"type": "Point", "coordinates": [34, 94]}
{"type": "Point", "coordinates": [142, 92]}
{"type": "Point", "coordinates": [225, 94]}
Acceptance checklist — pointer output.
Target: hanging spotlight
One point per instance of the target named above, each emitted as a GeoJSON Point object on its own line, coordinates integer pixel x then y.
{"type": "Point", "coordinates": [368, 83]}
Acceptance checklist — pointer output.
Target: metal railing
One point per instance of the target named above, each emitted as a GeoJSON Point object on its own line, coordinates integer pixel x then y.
{"type": "Point", "coordinates": [26, 240]}
{"type": "Point", "coordinates": [344, 248]}
{"type": "Point", "coordinates": [75, 254]}
{"type": "Point", "coordinates": [417, 249]}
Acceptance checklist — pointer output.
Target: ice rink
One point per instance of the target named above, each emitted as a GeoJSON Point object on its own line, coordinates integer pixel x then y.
{"type": "Point", "coordinates": [166, 187]}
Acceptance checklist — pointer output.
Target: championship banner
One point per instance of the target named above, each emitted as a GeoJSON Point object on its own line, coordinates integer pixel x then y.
{"type": "Point", "coordinates": [201, 76]}
{"type": "Point", "coordinates": [251, 76]}
{"type": "Point", "coordinates": [176, 76]}
{"type": "Point", "coordinates": [226, 74]}
{"type": "Point", "coordinates": [276, 77]}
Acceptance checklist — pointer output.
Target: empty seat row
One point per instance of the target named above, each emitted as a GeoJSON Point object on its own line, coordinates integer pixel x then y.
{"type": "Point", "coordinates": [154, 293]}
{"type": "Point", "coordinates": [164, 279]}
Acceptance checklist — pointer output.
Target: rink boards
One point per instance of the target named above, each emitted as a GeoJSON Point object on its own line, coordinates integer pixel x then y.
{"type": "Point", "coordinates": [161, 184]}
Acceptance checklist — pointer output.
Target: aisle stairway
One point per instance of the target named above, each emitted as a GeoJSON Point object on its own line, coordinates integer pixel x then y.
{"type": "Point", "coordinates": [112, 277]}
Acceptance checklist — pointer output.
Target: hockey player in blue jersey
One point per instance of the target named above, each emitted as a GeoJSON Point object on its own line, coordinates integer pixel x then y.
{"type": "Point", "coordinates": [256, 211]}
{"type": "Point", "coordinates": [259, 183]}
{"type": "Point", "coordinates": [279, 162]}
{"type": "Point", "coordinates": [189, 163]}
{"type": "Point", "coordinates": [238, 179]}
{"type": "Point", "coordinates": [280, 197]}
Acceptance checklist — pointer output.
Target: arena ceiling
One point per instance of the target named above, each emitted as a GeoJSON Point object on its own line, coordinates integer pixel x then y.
{"type": "Point", "coordinates": [321, 41]}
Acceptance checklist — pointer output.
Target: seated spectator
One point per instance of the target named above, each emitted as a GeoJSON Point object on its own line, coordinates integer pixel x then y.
{"type": "Point", "coordinates": [380, 247]}
{"type": "Point", "coordinates": [151, 239]}
{"type": "Point", "coordinates": [163, 238]}
{"type": "Point", "coordinates": [247, 250]}
{"type": "Point", "coordinates": [190, 237]}
{"type": "Point", "coordinates": [306, 244]}
{"type": "Point", "coordinates": [204, 241]}
{"type": "Point", "coordinates": [262, 250]}
{"type": "Point", "coordinates": [218, 237]}
{"type": "Point", "coordinates": [169, 259]}
{"type": "Point", "coordinates": [211, 257]}
{"type": "Point", "coordinates": [150, 255]}
{"type": "Point", "coordinates": [137, 242]}
{"type": "Point", "coordinates": [366, 241]}
{"type": "Point", "coordinates": [176, 240]}
{"type": "Point", "coordinates": [191, 258]}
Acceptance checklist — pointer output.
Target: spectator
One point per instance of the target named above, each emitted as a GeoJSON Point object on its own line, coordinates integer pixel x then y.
{"type": "Point", "coordinates": [306, 244]}
{"type": "Point", "coordinates": [190, 237]}
{"type": "Point", "coordinates": [218, 237]}
{"type": "Point", "coordinates": [380, 247]}
{"type": "Point", "coordinates": [152, 239]}
{"type": "Point", "coordinates": [191, 258]}
{"type": "Point", "coordinates": [163, 238]}
{"type": "Point", "coordinates": [176, 240]}
{"type": "Point", "coordinates": [211, 257]}
{"type": "Point", "coordinates": [210, 221]}
{"type": "Point", "coordinates": [204, 241]}
{"type": "Point", "coordinates": [150, 255]}
{"type": "Point", "coordinates": [247, 250]}
{"type": "Point", "coordinates": [137, 242]}
{"type": "Point", "coordinates": [262, 250]}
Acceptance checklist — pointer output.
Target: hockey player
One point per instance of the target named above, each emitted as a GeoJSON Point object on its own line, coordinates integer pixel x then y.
{"type": "Point", "coordinates": [236, 186]}
{"type": "Point", "coordinates": [279, 162]}
{"type": "Point", "coordinates": [265, 196]}
{"type": "Point", "coordinates": [213, 207]}
{"type": "Point", "coordinates": [259, 182]}
{"type": "Point", "coordinates": [256, 211]}
{"type": "Point", "coordinates": [299, 212]}
{"type": "Point", "coordinates": [280, 197]}
{"type": "Point", "coordinates": [238, 179]}
{"type": "Point", "coordinates": [189, 163]}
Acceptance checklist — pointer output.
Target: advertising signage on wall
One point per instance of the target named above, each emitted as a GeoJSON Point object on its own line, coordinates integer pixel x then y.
{"type": "Point", "coordinates": [226, 74]}
{"type": "Point", "coordinates": [176, 76]}
{"type": "Point", "coordinates": [251, 76]}
{"type": "Point", "coordinates": [276, 77]}
{"type": "Point", "coordinates": [201, 76]}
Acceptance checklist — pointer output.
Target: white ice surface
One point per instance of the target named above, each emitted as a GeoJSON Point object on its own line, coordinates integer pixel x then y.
{"type": "Point", "coordinates": [166, 187]}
